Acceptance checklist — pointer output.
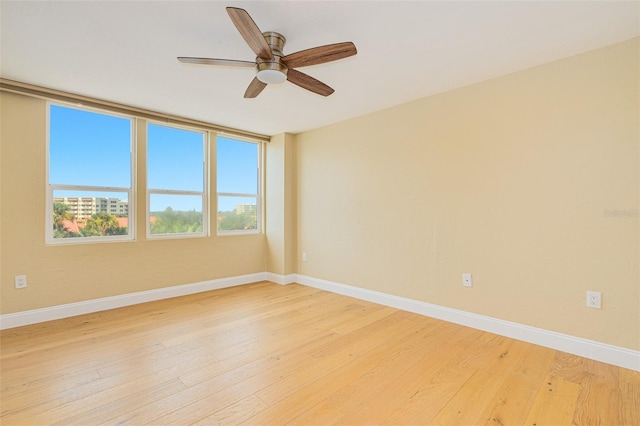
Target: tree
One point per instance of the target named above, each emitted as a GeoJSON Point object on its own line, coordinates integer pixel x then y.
{"type": "Point", "coordinates": [232, 221]}
{"type": "Point", "coordinates": [61, 213]}
{"type": "Point", "coordinates": [102, 224]}
{"type": "Point", "coordinates": [172, 221]}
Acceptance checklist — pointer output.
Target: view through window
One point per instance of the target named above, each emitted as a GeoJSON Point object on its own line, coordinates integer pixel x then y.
{"type": "Point", "coordinates": [238, 179]}
{"type": "Point", "coordinates": [91, 186]}
{"type": "Point", "coordinates": [89, 180]}
{"type": "Point", "coordinates": [176, 181]}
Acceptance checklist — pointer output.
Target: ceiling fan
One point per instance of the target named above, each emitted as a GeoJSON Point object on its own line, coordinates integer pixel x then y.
{"type": "Point", "coordinates": [272, 66]}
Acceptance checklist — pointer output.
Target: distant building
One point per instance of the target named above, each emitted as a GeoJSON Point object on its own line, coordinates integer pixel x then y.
{"type": "Point", "coordinates": [246, 208]}
{"type": "Point", "coordinates": [80, 207]}
{"type": "Point", "coordinates": [85, 207]}
{"type": "Point", "coordinates": [113, 206]}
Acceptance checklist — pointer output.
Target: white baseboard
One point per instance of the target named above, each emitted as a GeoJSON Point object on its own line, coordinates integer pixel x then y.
{"type": "Point", "coordinates": [72, 309]}
{"type": "Point", "coordinates": [610, 354]}
{"type": "Point", "coordinates": [603, 352]}
{"type": "Point", "coordinates": [280, 279]}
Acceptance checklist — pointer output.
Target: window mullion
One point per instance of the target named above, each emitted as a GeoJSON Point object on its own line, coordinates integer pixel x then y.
{"type": "Point", "coordinates": [88, 188]}
{"type": "Point", "coordinates": [235, 194]}
{"type": "Point", "coordinates": [174, 192]}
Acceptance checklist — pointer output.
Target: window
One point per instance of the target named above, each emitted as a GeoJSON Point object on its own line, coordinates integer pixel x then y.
{"type": "Point", "coordinates": [90, 163]}
{"type": "Point", "coordinates": [91, 188]}
{"type": "Point", "coordinates": [176, 182]}
{"type": "Point", "coordinates": [238, 179]}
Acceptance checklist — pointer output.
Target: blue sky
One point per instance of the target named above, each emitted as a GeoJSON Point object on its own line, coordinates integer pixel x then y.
{"type": "Point", "coordinates": [93, 149]}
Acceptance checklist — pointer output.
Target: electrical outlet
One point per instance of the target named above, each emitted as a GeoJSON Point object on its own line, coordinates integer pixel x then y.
{"type": "Point", "coordinates": [594, 299]}
{"type": "Point", "coordinates": [21, 281]}
{"type": "Point", "coordinates": [304, 256]}
{"type": "Point", "coordinates": [466, 280]}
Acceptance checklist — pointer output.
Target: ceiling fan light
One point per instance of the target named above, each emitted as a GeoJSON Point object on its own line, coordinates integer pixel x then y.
{"type": "Point", "coordinates": [271, 76]}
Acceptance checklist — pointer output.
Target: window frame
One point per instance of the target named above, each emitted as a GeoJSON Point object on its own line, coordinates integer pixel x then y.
{"type": "Point", "coordinates": [259, 187]}
{"type": "Point", "coordinates": [205, 184]}
{"type": "Point", "coordinates": [51, 188]}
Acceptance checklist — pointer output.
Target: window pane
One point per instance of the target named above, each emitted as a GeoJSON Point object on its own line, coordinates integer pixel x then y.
{"type": "Point", "coordinates": [175, 214]}
{"type": "Point", "coordinates": [175, 158]}
{"type": "Point", "coordinates": [237, 213]}
{"type": "Point", "coordinates": [237, 166]}
{"type": "Point", "coordinates": [89, 149]}
{"type": "Point", "coordinates": [89, 214]}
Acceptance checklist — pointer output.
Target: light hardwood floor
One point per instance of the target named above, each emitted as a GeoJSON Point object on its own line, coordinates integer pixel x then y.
{"type": "Point", "coordinates": [265, 354]}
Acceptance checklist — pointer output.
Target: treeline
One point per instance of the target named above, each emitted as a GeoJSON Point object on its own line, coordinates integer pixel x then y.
{"type": "Point", "coordinates": [172, 221]}
{"type": "Point", "coordinates": [232, 221]}
{"type": "Point", "coordinates": [168, 221]}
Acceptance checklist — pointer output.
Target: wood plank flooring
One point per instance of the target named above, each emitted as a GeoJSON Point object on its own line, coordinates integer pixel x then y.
{"type": "Point", "coordinates": [265, 354]}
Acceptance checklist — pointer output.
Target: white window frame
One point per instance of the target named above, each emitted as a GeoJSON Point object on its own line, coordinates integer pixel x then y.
{"type": "Point", "coordinates": [50, 188]}
{"type": "Point", "coordinates": [205, 185]}
{"type": "Point", "coordinates": [258, 196]}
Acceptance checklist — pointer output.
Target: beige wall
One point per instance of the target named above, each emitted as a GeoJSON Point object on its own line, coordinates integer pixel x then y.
{"type": "Point", "coordinates": [508, 180]}
{"type": "Point", "coordinates": [72, 273]}
{"type": "Point", "coordinates": [280, 204]}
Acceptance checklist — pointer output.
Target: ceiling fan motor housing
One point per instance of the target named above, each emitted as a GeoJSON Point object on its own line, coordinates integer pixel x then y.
{"type": "Point", "coordinates": [272, 71]}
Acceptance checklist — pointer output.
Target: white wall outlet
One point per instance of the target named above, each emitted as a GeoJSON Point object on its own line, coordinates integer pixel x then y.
{"type": "Point", "coordinates": [466, 280]}
{"type": "Point", "coordinates": [594, 299]}
{"type": "Point", "coordinates": [21, 281]}
{"type": "Point", "coordinates": [304, 256]}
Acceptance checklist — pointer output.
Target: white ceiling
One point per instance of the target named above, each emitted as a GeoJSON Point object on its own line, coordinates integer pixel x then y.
{"type": "Point", "coordinates": [125, 51]}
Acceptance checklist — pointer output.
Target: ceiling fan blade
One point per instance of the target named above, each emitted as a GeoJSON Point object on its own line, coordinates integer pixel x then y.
{"type": "Point", "coordinates": [250, 32]}
{"type": "Point", "coordinates": [307, 82]}
{"type": "Point", "coordinates": [254, 89]}
{"type": "Point", "coordinates": [214, 61]}
{"type": "Point", "coordinates": [320, 55]}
